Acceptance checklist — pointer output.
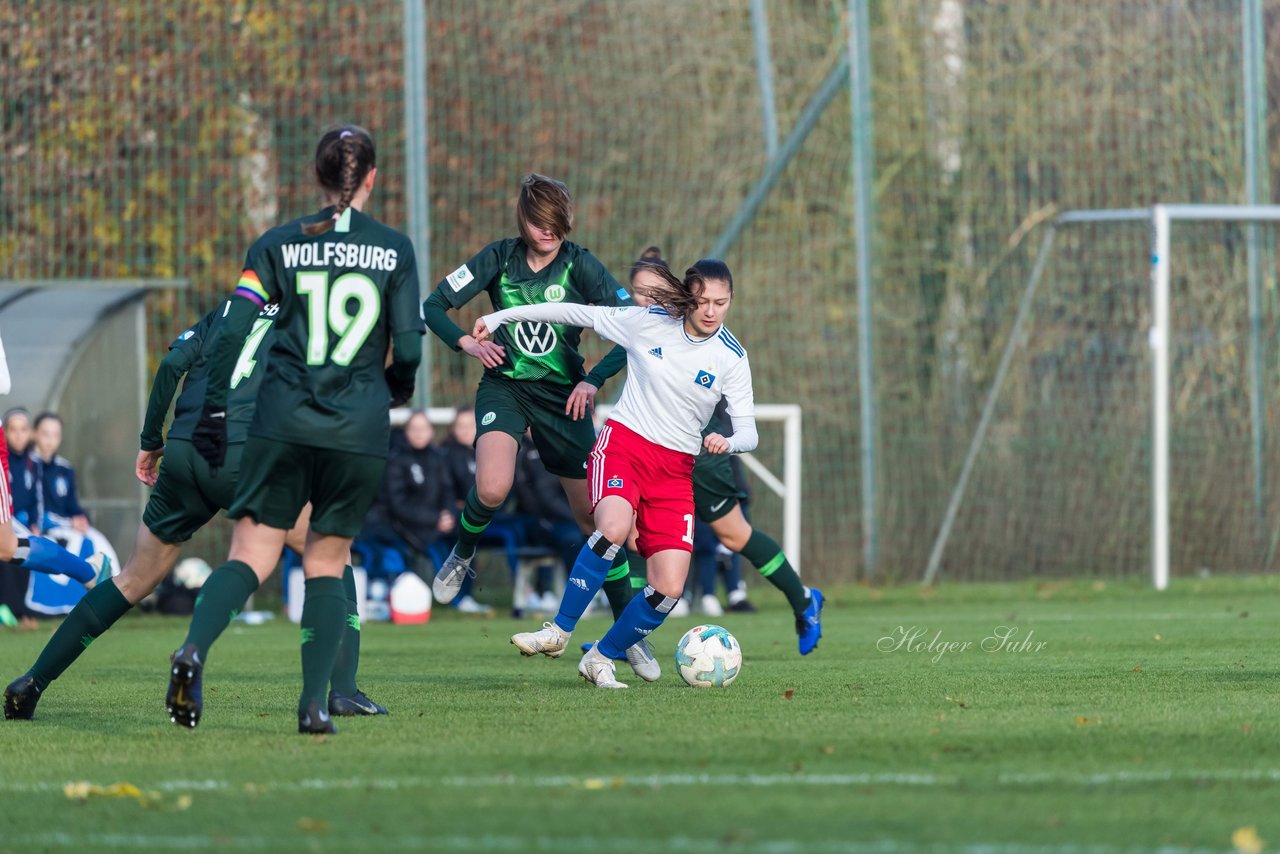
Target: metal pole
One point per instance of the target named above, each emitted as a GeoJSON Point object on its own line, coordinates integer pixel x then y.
{"type": "Point", "coordinates": [416, 169]}
{"type": "Point", "coordinates": [1255, 147]}
{"type": "Point", "coordinates": [864, 218]}
{"type": "Point", "coordinates": [1160, 338]}
{"type": "Point", "coordinates": [804, 125]}
{"type": "Point", "coordinates": [764, 71]}
{"type": "Point", "coordinates": [989, 408]}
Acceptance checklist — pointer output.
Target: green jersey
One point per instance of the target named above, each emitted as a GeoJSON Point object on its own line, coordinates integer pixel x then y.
{"type": "Point", "coordinates": [245, 379]}
{"type": "Point", "coordinates": [343, 295]}
{"type": "Point", "coordinates": [535, 351]}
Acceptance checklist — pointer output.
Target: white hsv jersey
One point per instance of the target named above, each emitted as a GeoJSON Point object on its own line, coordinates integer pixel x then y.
{"type": "Point", "coordinates": [673, 382]}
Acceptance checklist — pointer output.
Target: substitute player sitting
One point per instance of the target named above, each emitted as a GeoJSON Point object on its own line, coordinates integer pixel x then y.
{"type": "Point", "coordinates": [680, 361]}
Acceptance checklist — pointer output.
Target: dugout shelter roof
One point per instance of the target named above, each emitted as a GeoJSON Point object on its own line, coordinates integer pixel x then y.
{"type": "Point", "coordinates": [46, 324]}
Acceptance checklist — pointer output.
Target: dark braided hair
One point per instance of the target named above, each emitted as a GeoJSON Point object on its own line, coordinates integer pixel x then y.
{"type": "Point", "coordinates": [344, 157]}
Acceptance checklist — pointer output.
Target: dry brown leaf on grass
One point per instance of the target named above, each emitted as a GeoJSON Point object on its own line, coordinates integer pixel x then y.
{"type": "Point", "coordinates": [1247, 841]}
{"type": "Point", "coordinates": [789, 693]}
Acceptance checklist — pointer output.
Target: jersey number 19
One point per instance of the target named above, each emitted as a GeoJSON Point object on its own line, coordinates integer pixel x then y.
{"type": "Point", "coordinates": [327, 310]}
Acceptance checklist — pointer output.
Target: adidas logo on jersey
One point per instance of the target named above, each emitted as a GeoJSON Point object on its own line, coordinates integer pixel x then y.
{"type": "Point", "coordinates": [656, 351]}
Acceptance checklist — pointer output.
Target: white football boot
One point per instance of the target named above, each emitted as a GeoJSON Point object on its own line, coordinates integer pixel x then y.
{"type": "Point", "coordinates": [598, 670]}
{"type": "Point", "coordinates": [448, 580]}
{"type": "Point", "coordinates": [640, 657]}
{"type": "Point", "coordinates": [550, 640]}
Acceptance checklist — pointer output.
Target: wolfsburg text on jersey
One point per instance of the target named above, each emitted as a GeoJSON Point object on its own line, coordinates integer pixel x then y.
{"type": "Point", "coordinates": [329, 254]}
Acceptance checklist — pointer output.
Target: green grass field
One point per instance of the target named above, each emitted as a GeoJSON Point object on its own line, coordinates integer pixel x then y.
{"type": "Point", "coordinates": [1143, 721]}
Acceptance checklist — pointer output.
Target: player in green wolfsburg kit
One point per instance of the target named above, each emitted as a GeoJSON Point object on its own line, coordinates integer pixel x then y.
{"type": "Point", "coordinates": [530, 370]}
{"type": "Point", "coordinates": [185, 496]}
{"type": "Point", "coordinates": [347, 287]}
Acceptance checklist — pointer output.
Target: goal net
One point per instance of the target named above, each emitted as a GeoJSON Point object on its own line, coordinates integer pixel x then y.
{"type": "Point", "coordinates": [1128, 426]}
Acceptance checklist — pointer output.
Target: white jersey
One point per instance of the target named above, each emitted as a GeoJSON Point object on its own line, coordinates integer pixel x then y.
{"type": "Point", "coordinates": [674, 381]}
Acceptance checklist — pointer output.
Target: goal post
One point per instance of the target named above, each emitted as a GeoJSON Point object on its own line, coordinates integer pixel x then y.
{"type": "Point", "coordinates": [1160, 338]}
{"type": "Point", "coordinates": [786, 484]}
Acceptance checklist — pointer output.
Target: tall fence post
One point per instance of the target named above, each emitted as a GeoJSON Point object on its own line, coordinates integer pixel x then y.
{"type": "Point", "coordinates": [416, 168]}
{"type": "Point", "coordinates": [764, 73]}
{"type": "Point", "coordinates": [1256, 193]}
{"type": "Point", "coordinates": [863, 226]}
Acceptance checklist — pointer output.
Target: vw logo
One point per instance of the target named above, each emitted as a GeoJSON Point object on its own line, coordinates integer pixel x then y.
{"type": "Point", "coordinates": [535, 339]}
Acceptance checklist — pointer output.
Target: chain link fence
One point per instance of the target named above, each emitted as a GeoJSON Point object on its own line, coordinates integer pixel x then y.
{"type": "Point", "coordinates": [149, 139]}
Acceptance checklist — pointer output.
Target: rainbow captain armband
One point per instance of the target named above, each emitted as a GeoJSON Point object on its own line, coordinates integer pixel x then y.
{"type": "Point", "coordinates": [251, 288]}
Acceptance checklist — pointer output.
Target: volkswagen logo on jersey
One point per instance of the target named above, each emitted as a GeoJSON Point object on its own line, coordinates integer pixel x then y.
{"type": "Point", "coordinates": [535, 339]}
{"type": "Point", "coordinates": [705, 379]}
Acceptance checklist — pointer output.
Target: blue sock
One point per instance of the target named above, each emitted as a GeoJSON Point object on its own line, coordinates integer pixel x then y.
{"type": "Point", "coordinates": [46, 556]}
{"type": "Point", "coordinates": [585, 581]}
{"type": "Point", "coordinates": [643, 614]}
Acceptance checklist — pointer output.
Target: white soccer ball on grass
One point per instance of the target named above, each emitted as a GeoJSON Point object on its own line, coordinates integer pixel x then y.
{"type": "Point", "coordinates": [708, 657]}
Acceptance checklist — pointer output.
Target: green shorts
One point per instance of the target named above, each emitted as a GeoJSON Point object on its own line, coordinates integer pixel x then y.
{"type": "Point", "coordinates": [715, 492]}
{"type": "Point", "coordinates": [187, 495]}
{"type": "Point", "coordinates": [277, 479]}
{"type": "Point", "coordinates": [512, 406]}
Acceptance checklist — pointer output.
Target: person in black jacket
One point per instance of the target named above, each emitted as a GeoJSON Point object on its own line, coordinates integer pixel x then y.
{"type": "Point", "coordinates": [419, 489]}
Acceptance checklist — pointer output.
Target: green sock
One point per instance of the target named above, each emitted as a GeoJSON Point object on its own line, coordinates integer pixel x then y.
{"type": "Point", "coordinates": [766, 555]}
{"type": "Point", "coordinates": [324, 618]}
{"type": "Point", "coordinates": [91, 616]}
{"type": "Point", "coordinates": [343, 680]}
{"type": "Point", "coordinates": [223, 595]}
{"type": "Point", "coordinates": [475, 517]}
{"type": "Point", "coordinates": [617, 584]}
{"type": "Point", "coordinates": [639, 571]}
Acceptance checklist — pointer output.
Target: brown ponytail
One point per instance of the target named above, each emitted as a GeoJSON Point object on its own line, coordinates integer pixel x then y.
{"type": "Point", "coordinates": [344, 157]}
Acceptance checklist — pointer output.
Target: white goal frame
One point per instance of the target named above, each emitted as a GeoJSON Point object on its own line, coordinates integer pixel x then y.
{"type": "Point", "coordinates": [786, 486]}
{"type": "Point", "coordinates": [1161, 217]}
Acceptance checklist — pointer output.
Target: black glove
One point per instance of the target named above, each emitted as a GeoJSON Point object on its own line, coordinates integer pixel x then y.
{"type": "Point", "coordinates": [401, 389]}
{"type": "Point", "coordinates": [210, 437]}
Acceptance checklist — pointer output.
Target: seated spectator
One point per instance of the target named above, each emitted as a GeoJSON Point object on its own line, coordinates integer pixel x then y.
{"type": "Point", "coordinates": [17, 431]}
{"type": "Point", "coordinates": [15, 579]}
{"type": "Point", "coordinates": [416, 505]}
{"type": "Point", "coordinates": [54, 501]}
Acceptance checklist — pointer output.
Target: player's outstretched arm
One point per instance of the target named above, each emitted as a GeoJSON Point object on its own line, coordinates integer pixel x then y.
{"type": "Point", "coordinates": [615, 324]}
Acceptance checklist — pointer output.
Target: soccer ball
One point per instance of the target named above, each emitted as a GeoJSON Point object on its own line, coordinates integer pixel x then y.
{"type": "Point", "coordinates": [190, 573]}
{"type": "Point", "coordinates": [708, 657]}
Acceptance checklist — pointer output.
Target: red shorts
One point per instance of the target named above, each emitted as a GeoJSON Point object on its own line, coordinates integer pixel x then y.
{"type": "Point", "coordinates": [6, 491]}
{"type": "Point", "coordinates": [656, 481]}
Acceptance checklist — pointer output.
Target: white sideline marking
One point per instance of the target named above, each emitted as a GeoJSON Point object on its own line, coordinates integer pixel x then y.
{"type": "Point", "coordinates": [493, 842]}
{"type": "Point", "coordinates": [610, 781]}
